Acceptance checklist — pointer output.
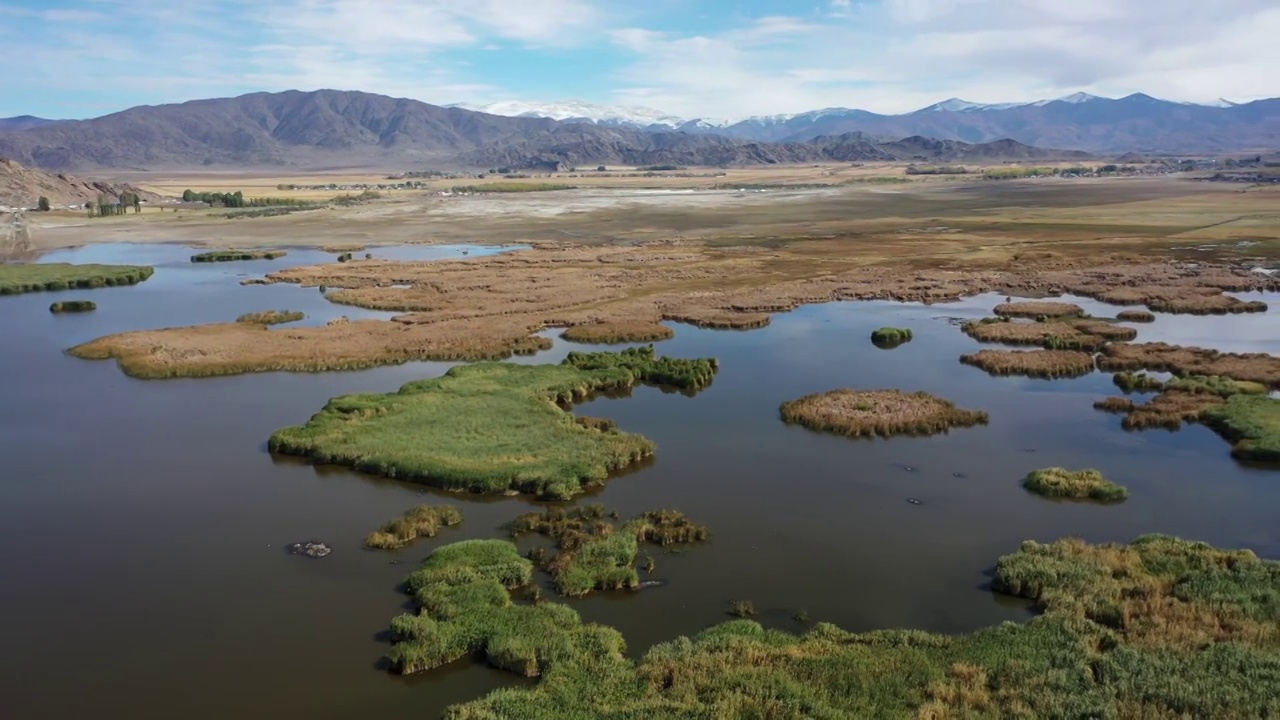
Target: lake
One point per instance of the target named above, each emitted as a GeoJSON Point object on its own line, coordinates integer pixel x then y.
{"type": "Point", "coordinates": [143, 523]}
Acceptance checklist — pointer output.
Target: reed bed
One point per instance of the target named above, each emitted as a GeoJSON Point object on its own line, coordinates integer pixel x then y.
{"type": "Point", "coordinates": [1169, 410]}
{"type": "Point", "coordinates": [1048, 364]}
{"type": "Point", "coordinates": [492, 427]}
{"type": "Point", "coordinates": [1039, 309]}
{"type": "Point", "coordinates": [883, 413]}
{"type": "Point", "coordinates": [1161, 627]}
{"type": "Point", "coordinates": [1251, 422]}
{"type": "Point", "coordinates": [271, 317]}
{"type": "Point", "coordinates": [237, 255]}
{"type": "Point", "coordinates": [890, 337]}
{"type": "Point", "coordinates": [617, 332]}
{"type": "Point", "coordinates": [1162, 357]}
{"type": "Point", "coordinates": [73, 306]}
{"type": "Point", "coordinates": [593, 551]}
{"type": "Point", "coordinates": [465, 607]}
{"type": "Point", "coordinates": [1141, 316]}
{"type": "Point", "coordinates": [1186, 299]}
{"type": "Point", "coordinates": [1131, 382]}
{"type": "Point", "coordinates": [1086, 334]}
{"type": "Point", "coordinates": [16, 279]}
{"type": "Point", "coordinates": [421, 521]}
{"type": "Point", "coordinates": [1114, 405]}
{"type": "Point", "coordinates": [1062, 484]}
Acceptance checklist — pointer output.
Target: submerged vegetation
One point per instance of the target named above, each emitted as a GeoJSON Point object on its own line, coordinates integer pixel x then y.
{"type": "Point", "coordinates": [271, 317]}
{"type": "Point", "coordinates": [236, 255]}
{"type": "Point", "coordinates": [890, 337]}
{"type": "Point", "coordinates": [1162, 627]}
{"type": "Point", "coordinates": [1060, 483]}
{"type": "Point", "coordinates": [593, 552]}
{"type": "Point", "coordinates": [617, 332]}
{"type": "Point", "coordinates": [19, 278]}
{"type": "Point", "coordinates": [73, 306]}
{"type": "Point", "coordinates": [1047, 364]}
{"type": "Point", "coordinates": [421, 521]}
{"type": "Point", "coordinates": [878, 412]}
{"type": "Point", "coordinates": [492, 427]}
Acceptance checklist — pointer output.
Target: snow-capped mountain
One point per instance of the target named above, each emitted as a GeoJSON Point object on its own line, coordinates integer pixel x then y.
{"type": "Point", "coordinates": [1076, 121]}
{"type": "Point", "coordinates": [642, 117]}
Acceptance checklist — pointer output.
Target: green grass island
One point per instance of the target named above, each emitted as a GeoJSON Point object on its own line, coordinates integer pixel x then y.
{"type": "Point", "coordinates": [493, 427]}
{"type": "Point", "coordinates": [19, 278]}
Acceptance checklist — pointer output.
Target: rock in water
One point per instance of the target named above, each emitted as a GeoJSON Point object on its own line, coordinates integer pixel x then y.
{"type": "Point", "coordinates": [915, 501]}
{"type": "Point", "coordinates": [312, 549]}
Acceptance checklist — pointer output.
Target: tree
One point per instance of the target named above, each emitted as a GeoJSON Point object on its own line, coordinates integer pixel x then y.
{"type": "Point", "coordinates": [88, 206]}
{"type": "Point", "coordinates": [42, 204]}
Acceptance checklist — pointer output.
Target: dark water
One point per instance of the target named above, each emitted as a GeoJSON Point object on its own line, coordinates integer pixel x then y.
{"type": "Point", "coordinates": [142, 523]}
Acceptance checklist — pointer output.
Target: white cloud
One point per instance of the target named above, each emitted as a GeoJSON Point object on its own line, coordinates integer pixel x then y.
{"type": "Point", "coordinates": [904, 54]}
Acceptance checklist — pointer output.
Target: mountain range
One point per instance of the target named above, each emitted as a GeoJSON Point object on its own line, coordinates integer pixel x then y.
{"type": "Point", "coordinates": [340, 129]}
{"type": "Point", "coordinates": [1080, 121]}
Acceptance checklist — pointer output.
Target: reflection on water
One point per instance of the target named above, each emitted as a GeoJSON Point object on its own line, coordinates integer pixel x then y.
{"type": "Point", "coordinates": [144, 521]}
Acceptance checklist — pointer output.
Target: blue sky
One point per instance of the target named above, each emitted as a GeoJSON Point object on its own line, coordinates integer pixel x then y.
{"type": "Point", "coordinates": [695, 58]}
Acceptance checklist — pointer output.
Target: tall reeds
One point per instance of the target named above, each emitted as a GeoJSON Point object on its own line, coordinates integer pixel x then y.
{"type": "Point", "coordinates": [868, 413]}
{"type": "Point", "coordinates": [421, 521]}
{"type": "Point", "coordinates": [271, 317]}
{"type": "Point", "coordinates": [1062, 484]}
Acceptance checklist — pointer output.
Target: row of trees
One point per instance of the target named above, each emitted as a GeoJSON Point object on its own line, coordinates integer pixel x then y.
{"type": "Point", "coordinates": [106, 207]}
{"type": "Point", "coordinates": [237, 200]}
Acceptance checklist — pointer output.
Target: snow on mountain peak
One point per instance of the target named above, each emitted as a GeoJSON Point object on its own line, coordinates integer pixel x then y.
{"type": "Point", "coordinates": [575, 110]}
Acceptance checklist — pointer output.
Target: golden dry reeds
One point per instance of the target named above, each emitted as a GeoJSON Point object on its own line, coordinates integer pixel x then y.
{"type": "Point", "coordinates": [1047, 364]}
{"type": "Point", "coordinates": [421, 521]}
{"type": "Point", "coordinates": [617, 332]}
{"type": "Point", "coordinates": [1038, 308]}
{"type": "Point", "coordinates": [1163, 357]}
{"type": "Point", "coordinates": [884, 413]}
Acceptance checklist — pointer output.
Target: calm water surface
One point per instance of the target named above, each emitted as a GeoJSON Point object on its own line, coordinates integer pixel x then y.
{"type": "Point", "coordinates": [142, 523]}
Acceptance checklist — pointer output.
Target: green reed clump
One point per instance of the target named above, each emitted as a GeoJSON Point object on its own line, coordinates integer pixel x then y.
{"type": "Point", "coordinates": [67, 306]}
{"type": "Point", "coordinates": [271, 317]}
{"type": "Point", "coordinates": [237, 255]}
{"type": "Point", "coordinates": [1060, 483]}
{"type": "Point", "coordinates": [1251, 422]}
{"type": "Point", "coordinates": [492, 427]}
{"type": "Point", "coordinates": [1141, 316]}
{"type": "Point", "coordinates": [421, 521]}
{"type": "Point", "coordinates": [617, 332]}
{"type": "Point", "coordinates": [1131, 382]}
{"type": "Point", "coordinates": [18, 278]}
{"type": "Point", "coordinates": [890, 336]}
{"type": "Point", "coordinates": [1216, 385]}
{"type": "Point", "coordinates": [1159, 628]}
{"type": "Point", "coordinates": [463, 594]}
{"type": "Point", "coordinates": [593, 551]}
{"type": "Point", "coordinates": [742, 608]}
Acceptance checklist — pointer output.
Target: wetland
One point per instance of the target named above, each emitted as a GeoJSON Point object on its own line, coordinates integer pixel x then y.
{"type": "Point", "coordinates": [181, 513]}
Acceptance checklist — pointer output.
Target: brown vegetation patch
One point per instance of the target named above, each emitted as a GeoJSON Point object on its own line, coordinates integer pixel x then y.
{"type": "Point", "coordinates": [1038, 308]}
{"type": "Point", "coordinates": [1163, 357]}
{"type": "Point", "coordinates": [1073, 334]}
{"type": "Point", "coordinates": [617, 332]}
{"type": "Point", "coordinates": [1114, 405]}
{"type": "Point", "coordinates": [1141, 316]}
{"type": "Point", "coordinates": [1181, 299]}
{"type": "Point", "coordinates": [878, 412]}
{"type": "Point", "coordinates": [483, 307]}
{"type": "Point", "coordinates": [1169, 410]}
{"type": "Point", "coordinates": [1032, 363]}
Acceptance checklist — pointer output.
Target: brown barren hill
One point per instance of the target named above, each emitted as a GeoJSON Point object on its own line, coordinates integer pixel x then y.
{"type": "Point", "coordinates": [22, 186]}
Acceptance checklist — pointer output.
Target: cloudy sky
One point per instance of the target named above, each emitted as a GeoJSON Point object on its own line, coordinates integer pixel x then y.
{"type": "Point", "coordinates": [696, 58]}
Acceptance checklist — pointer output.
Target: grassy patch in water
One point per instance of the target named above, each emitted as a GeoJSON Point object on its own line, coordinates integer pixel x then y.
{"type": "Point", "coordinates": [18, 278]}
{"type": "Point", "coordinates": [271, 317]}
{"type": "Point", "coordinates": [1215, 385]}
{"type": "Point", "coordinates": [878, 412]}
{"type": "Point", "coordinates": [237, 255]}
{"type": "Point", "coordinates": [421, 521]}
{"type": "Point", "coordinates": [890, 337]}
{"type": "Point", "coordinates": [1048, 364]}
{"type": "Point", "coordinates": [1251, 422]}
{"type": "Point", "coordinates": [617, 332]}
{"type": "Point", "coordinates": [1131, 382]}
{"type": "Point", "coordinates": [1158, 628]}
{"type": "Point", "coordinates": [1141, 316]}
{"type": "Point", "coordinates": [594, 552]}
{"type": "Point", "coordinates": [73, 306]}
{"type": "Point", "coordinates": [492, 427]}
{"type": "Point", "coordinates": [1038, 309]}
{"type": "Point", "coordinates": [1060, 483]}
